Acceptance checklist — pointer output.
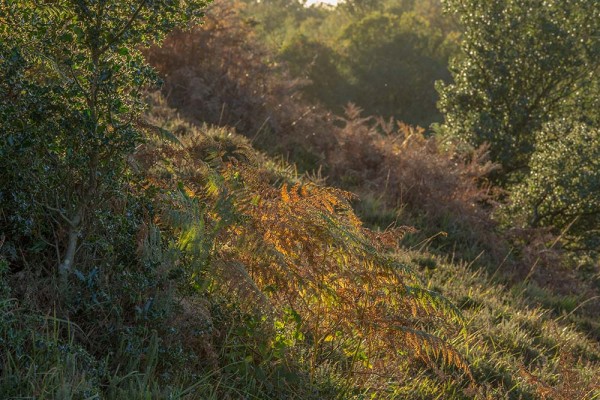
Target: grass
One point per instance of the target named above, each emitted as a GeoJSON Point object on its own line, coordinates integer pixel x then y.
{"type": "Point", "coordinates": [515, 350]}
{"type": "Point", "coordinates": [228, 318]}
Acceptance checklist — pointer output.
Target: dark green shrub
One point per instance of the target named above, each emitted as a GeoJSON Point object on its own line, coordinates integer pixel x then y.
{"type": "Point", "coordinates": [563, 188]}
{"type": "Point", "coordinates": [69, 104]}
{"type": "Point", "coordinates": [523, 63]}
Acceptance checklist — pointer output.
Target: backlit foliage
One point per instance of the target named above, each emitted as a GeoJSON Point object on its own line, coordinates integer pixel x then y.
{"type": "Point", "coordinates": [412, 171]}
{"type": "Point", "coordinates": [295, 247]}
{"type": "Point", "coordinates": [217, 73]}
{"type": "Point", "coordinates": [142, 257]}
{"type": "Point", "coordinates": [206, 80]}
{"type": "Point", "coordinates": [523, 63]}
{"type": "Point", "coordinates": [563, 188]}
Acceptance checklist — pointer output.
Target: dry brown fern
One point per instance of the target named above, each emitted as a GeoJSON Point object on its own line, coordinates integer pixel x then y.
{"type": "Point", "coordinates": [285, 244]}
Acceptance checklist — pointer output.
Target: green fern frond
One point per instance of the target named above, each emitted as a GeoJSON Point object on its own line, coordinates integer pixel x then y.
{"type": "Point", "coordinates": [430, 348]}
{"type": "Point", "coordinates": [434, 303]}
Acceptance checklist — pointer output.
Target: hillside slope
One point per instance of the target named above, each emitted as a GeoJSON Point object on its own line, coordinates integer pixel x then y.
{"type": "Point", "coordinates": [255, 247]}
{"type": "Point", "coordinates": [254, 282]}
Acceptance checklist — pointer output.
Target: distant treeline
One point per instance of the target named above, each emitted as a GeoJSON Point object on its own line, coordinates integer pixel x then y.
{"type": "Point", "coordinates": [384, 56]}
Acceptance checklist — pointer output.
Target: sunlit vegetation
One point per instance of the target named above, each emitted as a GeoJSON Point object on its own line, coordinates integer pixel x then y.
{"type": "Point", "coordinates": [236, 200]}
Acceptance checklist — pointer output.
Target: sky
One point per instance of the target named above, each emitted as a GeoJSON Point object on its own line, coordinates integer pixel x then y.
{"type": "Point", "coordinates": [311, 2]}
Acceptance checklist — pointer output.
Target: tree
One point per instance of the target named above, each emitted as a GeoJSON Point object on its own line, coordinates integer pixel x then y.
{"type": "Point", "coordinates": [523, 63]}
{"type": "Point", "coordinates": [70, 103]}
{"type": "Point", "coordinates": [563, 188]}
{"type": "Point", "coordinates": [382, 55]}
{"type": "Point", "coordinates": [392, 61]}
{"type": "Point", "coordinates": [311, 59]}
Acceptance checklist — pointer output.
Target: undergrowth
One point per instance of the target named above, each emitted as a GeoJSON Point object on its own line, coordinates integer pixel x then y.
{"type": "Point", "coordinates": [297, 248]}
{"type": "Point", "coordinates": [403, 175]}
{"type": "Point", "coordinates": [260, 283]}
{"type": "Point", "coordinates": [206, 269]}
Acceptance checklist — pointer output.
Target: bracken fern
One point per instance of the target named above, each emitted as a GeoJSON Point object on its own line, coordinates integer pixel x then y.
{"type": "Point", "coordinates": [293, 247]}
